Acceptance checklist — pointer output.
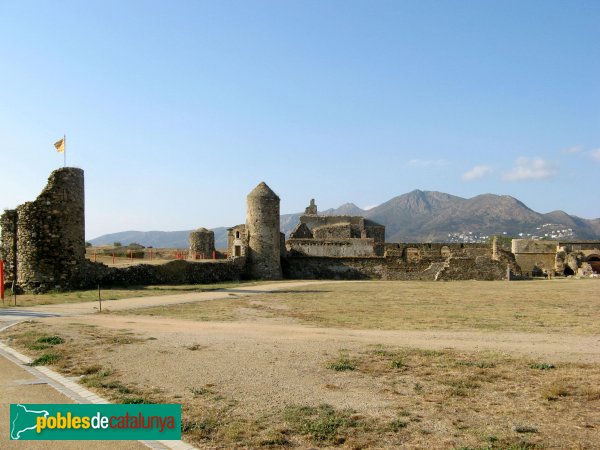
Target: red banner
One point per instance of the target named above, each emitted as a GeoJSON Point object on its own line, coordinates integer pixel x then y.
{"type": "Point", "coordinates": [2, 279]}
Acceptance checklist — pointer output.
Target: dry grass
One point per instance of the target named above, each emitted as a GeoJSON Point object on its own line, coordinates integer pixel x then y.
{"type": "Point", "coordinates": [440, 399]}
{"type": "Point", "coordinates": [557, 306]}
{"type": "Point", "coordinates": [91, 295]}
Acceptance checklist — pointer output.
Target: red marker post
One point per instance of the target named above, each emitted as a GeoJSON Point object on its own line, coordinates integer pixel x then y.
{"type": "Point", "coordinates": [2, 279]}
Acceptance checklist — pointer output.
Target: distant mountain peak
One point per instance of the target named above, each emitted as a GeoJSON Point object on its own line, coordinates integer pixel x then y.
{"type": "Point", "coordinates": [417, 216]}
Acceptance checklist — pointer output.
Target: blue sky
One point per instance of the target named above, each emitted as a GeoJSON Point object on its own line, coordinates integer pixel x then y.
{"type": "Point", "coordinates": [176, 110]}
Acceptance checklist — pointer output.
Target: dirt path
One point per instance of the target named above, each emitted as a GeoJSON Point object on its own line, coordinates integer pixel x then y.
{"type": "Point", "coordinates": [557, 347]}
{"type": "Point", "coordinates": [162, 300]}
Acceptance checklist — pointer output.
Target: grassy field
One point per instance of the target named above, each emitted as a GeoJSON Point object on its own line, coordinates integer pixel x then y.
{"type": "Point", "coordinates": [440, 399]}
{"type": "Point", "coordinates": [111, 294]}
{"type": "Point", "coordinates": [557, 306]}
{"type": "Point", "coordinates": [243, 388]}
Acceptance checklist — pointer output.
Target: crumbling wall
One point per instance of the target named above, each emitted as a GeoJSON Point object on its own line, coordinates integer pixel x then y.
{"type": "Point", "coordinates": [533, 246]}
{"type": "Point", "coordinates": [535, 256]}
{"type": "Point", "coordinates": [331, 247]}
{"type": "Point", "coordinates": [8, 244]}
{"type": "Point", "coordinates": [51, 233]}
{"type": "Point", "coordinates": [91, 274]}
{"type": "Point", "coordinates": [325, 268]}
{"type": "Point", "coordinates": [479, 268]}
{"type": "Point", "coordinates": [404, 262]}
{"type": "Point", "coordinates": [411, 251]}
{"type": "Point", "coordinates": [335, 231]}
{"type": "Point", "coordinates": [202, 243]}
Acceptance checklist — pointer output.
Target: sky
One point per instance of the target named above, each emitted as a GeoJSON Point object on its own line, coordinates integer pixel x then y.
{"type": "Point", "coordinates": [177, 109]}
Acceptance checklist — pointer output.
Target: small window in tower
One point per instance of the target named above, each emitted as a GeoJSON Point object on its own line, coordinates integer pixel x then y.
{"type": "Point", "coordinates": [237, 234]}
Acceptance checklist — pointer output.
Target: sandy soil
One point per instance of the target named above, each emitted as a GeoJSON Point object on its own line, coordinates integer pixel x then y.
{"type": "Point", "coordinates": [266, 366]}
{"type": "Point", "coordinates": [263, 365]}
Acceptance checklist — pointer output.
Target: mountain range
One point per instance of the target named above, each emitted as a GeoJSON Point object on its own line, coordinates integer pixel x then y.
{"type": "Point", "coordinates": [418, 216]}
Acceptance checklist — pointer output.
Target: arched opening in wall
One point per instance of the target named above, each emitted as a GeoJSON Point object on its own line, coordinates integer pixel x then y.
{"type": "Point", "coordinates": [237, 234]}
{"type": "Point", "coordinates": [568, 271]}
{"type": "Point", "coordinates": [237, 250]}
{"type": "Point", "coordinates": [594, 261]}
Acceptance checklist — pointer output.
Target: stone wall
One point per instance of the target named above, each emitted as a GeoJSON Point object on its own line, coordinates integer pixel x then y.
{"type": "Point", "coordinates": [50, 233]}
{"type": "Point", "coordinates": [331, 247]}
{"type": "Point", "coordinates": [535, 264]}
{"type": "Point", "coordinates": [336, 231]}
{"type": "Point", "coordinates": [325, 268]}
{"type": "Point", "coordinates": [533, 246]}
{"type": "Point", "coordinates": [479, 268]}
{"type": "Point", "coordinates": [417, 251]}
{"type": "Point", "coordinates": [91, 274]}
{"type": "Point", "coordinates": [8, 244]}
{"type": "Point", "coordinates": [350, 226]}
{"type": "Point", "coordinates": [474, 264]}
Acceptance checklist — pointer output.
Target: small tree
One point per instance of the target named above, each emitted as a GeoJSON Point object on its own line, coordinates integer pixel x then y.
{"type": "Point", "coordinates": [117, 244]}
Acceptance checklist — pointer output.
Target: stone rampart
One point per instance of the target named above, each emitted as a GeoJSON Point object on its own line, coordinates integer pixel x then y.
{"type": "Point", "coordinates": [91, 274]}
{"type": "Point", "coordinates": [331, 247]}
{"type": "Point", "coordinates": [481, 267]}
{"type": "Point", "coordinates": [533, 246]}
{"type": "Point", "coordinates": [8, 244]}
{"type": "Point", "coordinates": [50, 233]}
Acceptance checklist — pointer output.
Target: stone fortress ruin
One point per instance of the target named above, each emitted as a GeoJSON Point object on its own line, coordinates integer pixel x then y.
{"type": "Point", "coordinates": [43, 245]}
{"type": "Point", "coordinates": [43, 241]}
{"type": "Point", "coordinates": [202, 244]}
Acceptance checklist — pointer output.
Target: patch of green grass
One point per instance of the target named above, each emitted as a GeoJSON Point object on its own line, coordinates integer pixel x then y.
{"type": "Point", "coordinates": [323, 424]}
{"type": "Point", "coordinates": [542, 366]}
{"type": "Point", "coordinates": [38, 346]}
{"type": "Point", "coordinates": [524, 429]}
{"type": "Point", "coordinates": [342, 364]}
{"type": "Point", "coordinates": [51, 340]}
{"type": "Point", "coordinates": [135, 400]}
{"type": "Point", "coordinates": [462, 387]}
{"type": "Point", "coordinates": [479, 364]}
{"type": "Point", "coordinates": [204, 428]}
{"type": "Point", "coordinates": [397, 364]}
{"type": "Point", "coordinates": [397, 424]}
{"type": "Point", "coordinates": [46, 359]}
{"type": "Point", "coordinates": [96, 376]}
{"type": "Point", "coordinates": [90, 370]}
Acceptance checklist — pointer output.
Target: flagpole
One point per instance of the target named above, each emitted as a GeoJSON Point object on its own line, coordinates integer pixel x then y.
{"type": "Point", "coordinates": [65, 150]}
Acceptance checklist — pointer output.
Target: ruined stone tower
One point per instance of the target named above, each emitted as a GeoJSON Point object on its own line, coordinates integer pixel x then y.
{"type": "Point", "coordinates": [262, 228]}
{"type": "Point", "coordinates": [46, 243]}
{"type": "Point", "coordinates": [202, 243]}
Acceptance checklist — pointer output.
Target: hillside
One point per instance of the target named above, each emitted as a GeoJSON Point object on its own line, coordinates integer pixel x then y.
{"type": "Point", "coordinates": [418, 216]}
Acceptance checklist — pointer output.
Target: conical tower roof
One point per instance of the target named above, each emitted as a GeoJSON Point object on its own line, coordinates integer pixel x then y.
{"type": "Point", "coordinates": [262, 190]}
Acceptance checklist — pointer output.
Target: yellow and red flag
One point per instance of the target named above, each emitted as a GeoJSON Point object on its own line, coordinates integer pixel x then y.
{"type": "Point", "coordinates": [60, 145]}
